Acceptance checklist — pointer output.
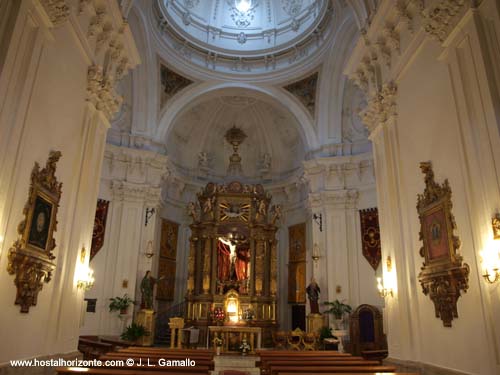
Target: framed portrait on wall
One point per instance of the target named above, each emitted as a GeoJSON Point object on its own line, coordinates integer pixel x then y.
{"type": "Point", "coordinates": [437, 232]}
{"type": "Point", "coordinates": [443, 275]}
{"type": "Point", "coordinates": [30, 257]}
{"type": "Point", "coordinates": [41, 222]}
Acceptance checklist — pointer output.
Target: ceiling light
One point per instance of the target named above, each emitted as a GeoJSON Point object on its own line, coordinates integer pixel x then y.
{"type": "Point", "coordinates": [243, 5]}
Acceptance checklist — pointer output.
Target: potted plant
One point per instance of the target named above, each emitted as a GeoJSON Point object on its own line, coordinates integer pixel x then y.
{"type": "Point", "coordinates": [133, 332]}
{"type": "Point", "coordinates": [338, 309]}
{"type": "Point", "coordinates": [120, 304]}
{"type": "Point", "coordinates": [218, 344]}
{"type": "Point", "coordinates": [244, 347]}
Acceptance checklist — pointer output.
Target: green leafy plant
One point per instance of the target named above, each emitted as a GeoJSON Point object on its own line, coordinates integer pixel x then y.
{"type": "Point", "coordinates": [325, 333]}
{"type": "Point", "coordinates": [120, 304]}
{"type": "Point", "coordinates": [133, 332]}
{"type": "Point", "coordinates": [338, 309]}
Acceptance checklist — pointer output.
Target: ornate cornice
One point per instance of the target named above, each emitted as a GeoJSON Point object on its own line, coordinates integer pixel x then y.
{"type": "Point", "coordinates": [57, 10]}
{"type": "Point", "coordinates": [381, 107]}
{"type": "Point", "coordinates": [140, 193]}
{"type": "Point", "coordinates": [341, 199]}
{"type": "Point", "coordinates": [114, 52]}
{"type": "Point", "coordinates": [441, 16]}
{"type": "Point", "coordinates": [135, 166]}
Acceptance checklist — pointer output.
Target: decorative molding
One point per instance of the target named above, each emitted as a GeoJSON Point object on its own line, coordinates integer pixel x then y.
{"type": "Point", "coordinates": [381, 107]}
{"type": "Point", "coordinates": [114, 53]}
{"type": "Point", "coordinates": [441, 17]}
{"type": "Point", "coordinates": [129, 192]}
{"type": "Point", "coordinates": [305, 90]}
{"type": "Point", "coordinates": [213, 52]}
{"type": "Point", "coordinates": [343, 199]}
{"type": "Point", "coordinates": [57, 10]}
{"type": "Point", "coordinates": [171, 84]}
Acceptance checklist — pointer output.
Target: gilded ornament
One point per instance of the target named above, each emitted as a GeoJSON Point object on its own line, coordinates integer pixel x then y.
{"type": "Point", "coordinates": [30, 258]}
{"type": "Point", "coordinates": [443, 276]}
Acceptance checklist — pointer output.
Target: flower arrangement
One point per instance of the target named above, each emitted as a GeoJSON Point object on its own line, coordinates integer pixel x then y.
{"type": "Point", "coordinates": [217, 341]}
{"type": "Point", "coordinates": [248, 314]}
{"type": "Point", "coordinates": [218, 314]}
{"type": "Point", "coordinates": [244, 347]}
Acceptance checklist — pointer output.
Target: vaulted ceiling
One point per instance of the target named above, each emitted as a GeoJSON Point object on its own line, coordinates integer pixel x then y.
{"type": "Point", "coordinates": [273, 146]}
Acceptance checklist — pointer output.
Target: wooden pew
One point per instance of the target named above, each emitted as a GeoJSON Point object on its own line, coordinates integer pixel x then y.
{"type": "Point", "coordinates": [349, 373]}
{"type": "Point", "coordinates": [93, 348]}
{"type": "Point", "coordinates": [311, 353]}
{"type": "Point", "coordinates": [114, 371]}
{"type": "Point", "coordinates": [322, 361]}
{"type": "Point", "coordinates": [275, 370]}
{"type": "Point", "coordinates": [164, 349]}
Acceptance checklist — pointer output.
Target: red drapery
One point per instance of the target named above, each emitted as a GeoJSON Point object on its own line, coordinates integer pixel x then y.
{"type": "Point", "coordinates": [241, 263]}
{"type": "Point", "coordinates": [223, 261]}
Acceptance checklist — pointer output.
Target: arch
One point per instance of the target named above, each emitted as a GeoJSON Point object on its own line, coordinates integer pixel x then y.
{"type": "Point", "coordinates": [206, 90]}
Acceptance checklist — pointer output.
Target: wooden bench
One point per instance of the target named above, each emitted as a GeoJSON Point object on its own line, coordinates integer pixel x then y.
{"type": "Point", "coordinates": [114, 371]}
{"type": "Point", "coordinates": [311, 353]}
{"type": "Point", "coordinates": [92, 348]}
{"type": "Point", "coordinates": [321, 361]}
{"type": "Point", "coordinates": [196, 357]}
{"type": "Point", "coordinates": [164, 349]}
{"type": "Point", "coordinates": [274, 370]}
{"type": "Point", "coordinates": [348, 373]}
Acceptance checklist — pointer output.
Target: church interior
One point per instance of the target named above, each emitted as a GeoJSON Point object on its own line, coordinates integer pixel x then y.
{"type": "Point", "coordinates": [258, 186]}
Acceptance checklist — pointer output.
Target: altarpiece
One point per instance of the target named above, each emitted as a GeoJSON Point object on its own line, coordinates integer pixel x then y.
{"type": "Point", "coordinates": [233, 262]}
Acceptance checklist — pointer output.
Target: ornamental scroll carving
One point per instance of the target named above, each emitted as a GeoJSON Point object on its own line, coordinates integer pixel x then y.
{"type": "Point", "coordinates": [443, 276]}
{"type": "Point", "coordinates": [30, 257]}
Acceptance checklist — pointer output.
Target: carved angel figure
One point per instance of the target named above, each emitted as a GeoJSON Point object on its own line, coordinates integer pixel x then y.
{"type": "Point", "coordinates": [191, 210]}
{"type": "Point", "coordinates": [276, 214]}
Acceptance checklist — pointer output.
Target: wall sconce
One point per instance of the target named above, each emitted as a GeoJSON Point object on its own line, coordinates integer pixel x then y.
{"type": "Point", "coordinates": [385, 291]}
{"type": "Point", "coordinates": [149, 250]}
{"type": "Point", "coordinates": [149, 213]}
{"type": "Point", "coordinates": [491, 257]}
{"type": "Point", "coordinates": [315, 252]}
{"type": "Point", "coordinates": [85, 279]}
{"type": "Point", "coordinates": [318, 219]}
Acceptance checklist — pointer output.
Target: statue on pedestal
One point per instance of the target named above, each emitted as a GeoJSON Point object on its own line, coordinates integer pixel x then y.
{"type": "Point", "coordinates": [313, 295]}
{"type": "Point", "coordinates": [147, 288]}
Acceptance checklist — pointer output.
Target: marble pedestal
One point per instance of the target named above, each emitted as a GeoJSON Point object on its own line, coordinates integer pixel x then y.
{"type": "Point", "coordinates": [314, 323]}
{"type": "Point", "coordinates": [146, 318]}
{"type": "Point", "coordinates": [236, 362]}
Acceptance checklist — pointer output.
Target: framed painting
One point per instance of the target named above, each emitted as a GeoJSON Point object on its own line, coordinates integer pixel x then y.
{"type": "Point", "coordinates": [168, 240]}
{"type": "Point", "coordinates": [443, 276]}
{"type": "Point", "coordinates": [30, 257]}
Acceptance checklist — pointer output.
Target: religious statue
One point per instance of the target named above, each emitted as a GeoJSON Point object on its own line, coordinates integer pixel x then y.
{"type": "Point", "coordinates": [261, 210]}
{"type": "Point", "coordinates": [313, 295]}
{"type": "Point", "coordinates": [191, 210]}
{"type": "Point", "coordinates": [203, 160]}
{"type": "Point", "coordinates": [265, 162]}
{"type": "Point", "coordinates": [147, 288]}
{"type": "Point", "coordinates": [276, 214]}
{"type": "Point", "coordinates": [208, 206]}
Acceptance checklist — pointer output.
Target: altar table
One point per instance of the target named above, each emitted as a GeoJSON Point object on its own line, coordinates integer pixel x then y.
{"type": "Point", "coordinates": [225, 332]}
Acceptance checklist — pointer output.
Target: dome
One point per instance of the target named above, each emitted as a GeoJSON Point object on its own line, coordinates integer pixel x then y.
{"type": "Point", "coordinates": [244, 36]}
{"type": "Point", "coordinates": [244, 27]}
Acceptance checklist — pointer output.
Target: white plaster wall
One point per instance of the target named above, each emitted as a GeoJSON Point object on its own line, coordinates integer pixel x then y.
{"type": "Point", "coordinates": [131, 180]}
{"type": "Point", "coordinates": [433, 134]}
{"type": "Point", "coordinates": [43, 107]}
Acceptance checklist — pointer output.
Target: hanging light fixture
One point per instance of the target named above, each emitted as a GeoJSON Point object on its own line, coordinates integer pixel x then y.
{"type": "Point", "coordinates": [243, 5]}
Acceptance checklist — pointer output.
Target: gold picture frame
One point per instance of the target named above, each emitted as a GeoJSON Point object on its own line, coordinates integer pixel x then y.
{"type": "Point", "coordinates": [443, 276]}
{"type": "Point", "coordinates": [30, 257]}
